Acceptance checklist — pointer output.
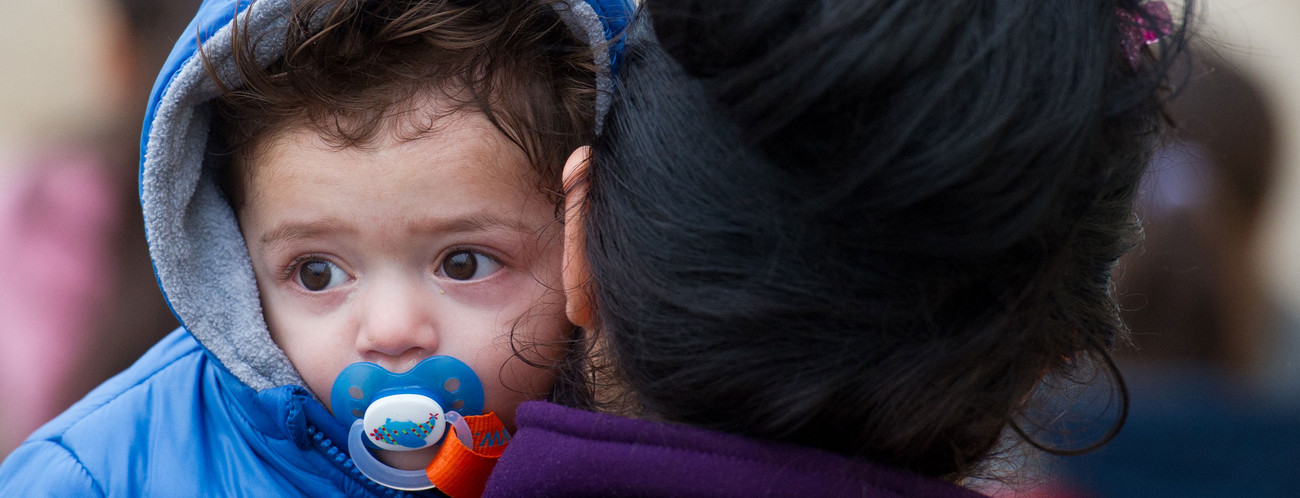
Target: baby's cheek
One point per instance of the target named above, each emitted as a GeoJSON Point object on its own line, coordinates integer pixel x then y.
{"type": "Point", "coordinates": [319, 364]}
{"type": "Point", "coordinates": [319, 377]}
{"type": "Point", "coordinates": [518, 383]}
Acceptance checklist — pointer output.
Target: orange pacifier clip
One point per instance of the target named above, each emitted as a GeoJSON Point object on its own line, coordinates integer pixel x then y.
{"type": "Point", "coordinates": [463, 463]}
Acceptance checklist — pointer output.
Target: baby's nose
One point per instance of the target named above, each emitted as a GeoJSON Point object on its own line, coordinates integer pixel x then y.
{"type": "Point", "coordinates": [399, 323]}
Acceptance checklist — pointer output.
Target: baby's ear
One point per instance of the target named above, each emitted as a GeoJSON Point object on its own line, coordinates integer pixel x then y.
{"type": "Point", "coordinates": [576, 275]}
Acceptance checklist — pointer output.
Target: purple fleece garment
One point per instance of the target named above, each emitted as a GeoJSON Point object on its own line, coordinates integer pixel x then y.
{"type": "Point", "coordinates": [560, 451]}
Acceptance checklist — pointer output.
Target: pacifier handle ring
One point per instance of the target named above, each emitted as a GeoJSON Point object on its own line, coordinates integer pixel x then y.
{"type": "Point", "coordinates": [462, 429]}
{"type": "Point", "coordinates": [405, 480]}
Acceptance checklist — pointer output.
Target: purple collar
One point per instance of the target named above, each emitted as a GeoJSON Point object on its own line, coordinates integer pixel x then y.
{"type": "Point", "coordinates": [560, 451]}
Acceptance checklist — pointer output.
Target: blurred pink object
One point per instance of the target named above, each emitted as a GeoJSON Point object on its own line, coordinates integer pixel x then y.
{"type": "Point", "coordinates": [57, 216]}
{"type": "Point", "coordinates": [1153, 24]}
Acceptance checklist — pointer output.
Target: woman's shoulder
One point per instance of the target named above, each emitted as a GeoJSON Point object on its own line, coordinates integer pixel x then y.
{"type": "Point", "coordinates": [620, 455]}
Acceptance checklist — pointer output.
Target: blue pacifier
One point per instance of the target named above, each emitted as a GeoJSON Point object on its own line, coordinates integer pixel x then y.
{"type": "Point", "coordinates": [403, 412]}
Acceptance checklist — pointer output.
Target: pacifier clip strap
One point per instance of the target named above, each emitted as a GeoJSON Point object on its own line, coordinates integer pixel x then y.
{"type": "Point", "coordinates": [462, 472]}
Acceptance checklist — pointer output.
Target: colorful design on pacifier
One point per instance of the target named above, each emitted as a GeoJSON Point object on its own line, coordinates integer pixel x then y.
{"type": "Point", "coordinates": [402, 422]}
{"type": "Point", "coordinates": [402, 412]}
{"type": "Point", "coordinates": [404, 433]}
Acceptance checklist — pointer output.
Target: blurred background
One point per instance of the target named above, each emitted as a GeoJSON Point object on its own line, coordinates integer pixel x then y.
{"type": "Point", "coordinates": [78, 299]}
{"type": "Point", "coordinates": [1212, 295]}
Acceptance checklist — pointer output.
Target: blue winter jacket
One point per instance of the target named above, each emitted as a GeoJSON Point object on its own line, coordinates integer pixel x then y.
{"type": "Point", "coordinates": [216, 408]}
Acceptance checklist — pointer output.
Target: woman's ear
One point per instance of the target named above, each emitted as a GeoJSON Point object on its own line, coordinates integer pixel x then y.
{"type": "Point", "coordinates": [576, 274]}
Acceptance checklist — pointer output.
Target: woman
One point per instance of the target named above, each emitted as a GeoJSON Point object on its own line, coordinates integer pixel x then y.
{"type": "Point", "coordinates": [831, 248]}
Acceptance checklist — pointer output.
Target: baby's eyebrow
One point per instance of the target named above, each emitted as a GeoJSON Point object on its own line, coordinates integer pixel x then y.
{"type": "Point", "coordinates": [291, 231]}
{"type": "Point", "coordinates": [476, 222]}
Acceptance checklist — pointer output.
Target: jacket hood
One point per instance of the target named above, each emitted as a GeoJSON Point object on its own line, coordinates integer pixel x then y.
{"type": "Point", "coordinates": [198, 253]}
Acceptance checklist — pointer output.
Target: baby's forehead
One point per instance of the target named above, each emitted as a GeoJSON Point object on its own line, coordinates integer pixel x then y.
{"type": "Point", "coordinates": [417, 126]}
{"type": "Point", "coordinates": [463, 176]}
{"type": "Point", "coordinates": [423, 134]}
{"type": "Point", "coordinates": [425, 115]}
{"type": "Point", "coordinates": [434, 126]}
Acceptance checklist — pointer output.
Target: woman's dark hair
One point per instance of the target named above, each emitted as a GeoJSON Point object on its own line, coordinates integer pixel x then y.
{"type": "Point", "coordinates": [870, 227]}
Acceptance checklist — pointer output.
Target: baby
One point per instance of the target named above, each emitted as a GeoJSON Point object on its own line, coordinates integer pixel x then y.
{"type": "Point", "coordinates": [326, 185]}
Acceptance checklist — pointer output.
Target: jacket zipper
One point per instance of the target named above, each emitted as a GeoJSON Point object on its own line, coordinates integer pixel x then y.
{"type": "Point", "coordinates": [341, 460]}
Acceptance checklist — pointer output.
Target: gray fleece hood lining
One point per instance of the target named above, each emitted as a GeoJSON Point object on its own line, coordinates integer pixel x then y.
{"type": "Point", "coordinates": [199, 254]}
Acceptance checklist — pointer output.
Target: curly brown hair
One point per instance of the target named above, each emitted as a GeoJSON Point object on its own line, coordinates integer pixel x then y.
{"type": "Point", "coordinates": [354, 69]}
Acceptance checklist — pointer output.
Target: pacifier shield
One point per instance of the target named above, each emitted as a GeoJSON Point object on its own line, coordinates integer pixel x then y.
{"type": "Point", "coordinates": [402, 412]}
{"type": "Point", "coordinates": [404, 422]}
{"type": "Point", "coordinates": [449, 382]}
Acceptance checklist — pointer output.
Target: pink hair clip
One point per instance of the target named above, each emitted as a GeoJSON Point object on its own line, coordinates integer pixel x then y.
{"type": "Point", "coordinates": [1139, 29]}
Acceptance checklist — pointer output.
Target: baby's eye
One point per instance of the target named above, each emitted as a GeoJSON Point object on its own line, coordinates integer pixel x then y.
{"type": "Point", "coordinates": [317, 275]}
{"type": "Point", "coordinates": [469, 265]}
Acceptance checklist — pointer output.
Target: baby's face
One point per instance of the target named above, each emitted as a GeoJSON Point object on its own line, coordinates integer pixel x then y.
{"type": "Point", "coordinates": [438, 246]}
